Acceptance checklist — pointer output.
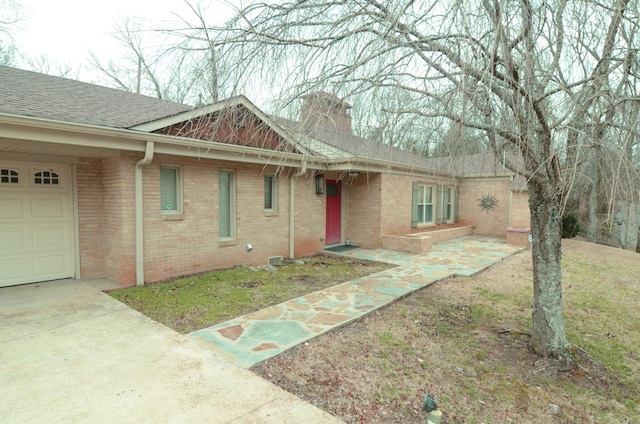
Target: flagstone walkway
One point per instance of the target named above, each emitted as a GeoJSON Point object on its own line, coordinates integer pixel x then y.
{"type": "Point", "coordinates": [252, 338]}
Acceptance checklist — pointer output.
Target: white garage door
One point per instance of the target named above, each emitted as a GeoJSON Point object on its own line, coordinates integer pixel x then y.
{"type": "Point", "coordinates": [36, 230]}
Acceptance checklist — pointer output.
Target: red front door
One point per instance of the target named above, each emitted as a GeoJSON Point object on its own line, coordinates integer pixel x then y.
{"type": "Point", "coordinates": [333, 212]}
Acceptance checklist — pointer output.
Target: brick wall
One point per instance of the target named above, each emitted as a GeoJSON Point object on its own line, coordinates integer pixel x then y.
{"type": "Point", "coordinates": [397, 203]}
{"type": "Point", "coordinates": [492, 223]}
{"type": "Point", "coordinates": [363, 196]}
{"type": "Point", "coordinates": [189, 243]}
{"type": "Point", "coordinates": [310, 216]}
{"type": "Point", "coordinates": [520, 214]}
{"type": "Point", "coordinates": [118, 196]}
{"type": "Point", "coordinates": [90, 219]}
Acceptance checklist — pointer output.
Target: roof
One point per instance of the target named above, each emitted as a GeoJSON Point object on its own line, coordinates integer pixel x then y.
{"type": "Point", "coordinates": [44, 96]}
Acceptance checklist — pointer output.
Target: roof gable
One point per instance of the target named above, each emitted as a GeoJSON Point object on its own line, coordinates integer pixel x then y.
{"type": "Point", "coordinates": [232, 121]}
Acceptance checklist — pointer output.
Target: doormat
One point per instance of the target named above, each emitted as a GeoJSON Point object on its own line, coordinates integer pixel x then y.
{"type": "Point", "coordinates": [342, 248]}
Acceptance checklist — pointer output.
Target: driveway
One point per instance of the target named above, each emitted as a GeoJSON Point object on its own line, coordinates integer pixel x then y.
{"type": "Point", "coordinates": [70, 353]}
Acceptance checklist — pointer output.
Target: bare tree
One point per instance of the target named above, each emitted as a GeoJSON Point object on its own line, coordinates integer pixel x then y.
{"type": "Point", "coordinates": [175, 61]}
{"type": "Point", "coordinates": [528, 74]}
{"type": "Point", "coordinates": [10, 16]}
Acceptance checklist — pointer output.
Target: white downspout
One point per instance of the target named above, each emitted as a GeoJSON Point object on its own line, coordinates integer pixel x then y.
{"type": "Point", "coordinates": [292, 209]}
{"type": "Point", "coordinates": [148, 157]}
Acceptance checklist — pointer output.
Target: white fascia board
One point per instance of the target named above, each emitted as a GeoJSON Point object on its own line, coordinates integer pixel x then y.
{"type": "Point", "coordinates": [56, 132]}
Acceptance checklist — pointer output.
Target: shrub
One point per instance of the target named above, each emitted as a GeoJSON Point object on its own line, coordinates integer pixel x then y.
{"type": "Point", "coordinates": [570, 226]}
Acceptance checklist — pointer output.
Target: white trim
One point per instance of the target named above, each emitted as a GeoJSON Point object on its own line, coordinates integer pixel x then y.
{"type": "Point", "coordinates": [76, 221]}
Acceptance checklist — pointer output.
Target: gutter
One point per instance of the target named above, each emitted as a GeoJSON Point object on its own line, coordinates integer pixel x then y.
{"type": "Point", "coordinates": [139, 227]}
{"type": "Point", "coordinates": [292, 208]}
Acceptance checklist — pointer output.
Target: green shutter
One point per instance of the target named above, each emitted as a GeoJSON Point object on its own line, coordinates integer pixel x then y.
{"type": "Point", "coordinates": [438, 204]}
{"type": "Point", "coordinates": [168, 189]}
{"type": "Point", "coordinates": [414, 205]}
{"type": "Point", "coordinates": [224, 204]}
{"type": "Point", "coordinates": [455, 205]}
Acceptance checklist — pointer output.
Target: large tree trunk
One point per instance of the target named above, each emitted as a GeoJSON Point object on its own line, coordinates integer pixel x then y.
{"type": "Point", "coordinates": [549, 338]}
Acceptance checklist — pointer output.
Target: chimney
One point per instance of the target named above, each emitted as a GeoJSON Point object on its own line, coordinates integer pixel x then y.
{"type": "Point", "coordinates": [324, 111]}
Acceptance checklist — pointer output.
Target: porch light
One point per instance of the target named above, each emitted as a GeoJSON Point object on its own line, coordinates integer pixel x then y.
{"type": "Point", "coordinates": [319, 183]}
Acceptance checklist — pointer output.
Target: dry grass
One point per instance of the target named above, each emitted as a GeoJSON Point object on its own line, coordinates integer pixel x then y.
{"type": "Point", "coordinates": [464, 340]}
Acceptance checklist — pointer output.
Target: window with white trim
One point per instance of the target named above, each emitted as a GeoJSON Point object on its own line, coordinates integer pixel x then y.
{"type": "Point", "coordinates": [227, 204]}
{"type": "Point", "coordinates": [170, 189]}
{"type": "Point", "coordinates": [425, 204]}
{"type": "Point", "coordinates": [270, 193]}
{"type": "Point", "coordinates": [9, 176]}
{"type": "Point", "coordinates": [41, 177]}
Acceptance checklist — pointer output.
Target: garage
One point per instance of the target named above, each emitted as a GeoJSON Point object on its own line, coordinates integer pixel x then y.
{"type": "Point", "coordinates": [36, 223]}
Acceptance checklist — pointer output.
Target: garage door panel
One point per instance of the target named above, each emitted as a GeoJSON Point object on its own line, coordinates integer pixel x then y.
{"type": "Point", "coordinates": [11, 208]}
{"type": "Point", "coordinates": [47, 208]}
{"type": "Point", "coordinates": [50, 266]}
{"type": "Point", "coordinates": [47, 237]}
{"type": "Point", "coordinates": [14, 271]}
{"type": "Point", "coordinates": [13, 239]}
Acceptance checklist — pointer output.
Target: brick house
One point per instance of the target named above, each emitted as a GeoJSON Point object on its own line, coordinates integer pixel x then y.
{"type": "Point", "coordinates": [101, 183]}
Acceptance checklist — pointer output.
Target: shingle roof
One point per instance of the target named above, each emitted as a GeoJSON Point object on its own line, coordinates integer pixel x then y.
{"type": "Point", "coordinates": [44, 96]}
{"type": "Point", "coordinates": [482, 164]}
{"type": "Point", "coordinates": [356, 146]}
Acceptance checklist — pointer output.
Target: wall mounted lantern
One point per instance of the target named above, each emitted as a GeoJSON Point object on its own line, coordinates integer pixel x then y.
{"type": "Point", "coordinates": [319, 183]}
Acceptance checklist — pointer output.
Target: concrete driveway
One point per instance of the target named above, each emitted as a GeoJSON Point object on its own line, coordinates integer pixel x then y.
{"type": "Point", "coordinates": [70, 353]}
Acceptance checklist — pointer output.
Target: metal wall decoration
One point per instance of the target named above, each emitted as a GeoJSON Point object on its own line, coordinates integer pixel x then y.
{"type": "Point", "coordinates": [488, 203]}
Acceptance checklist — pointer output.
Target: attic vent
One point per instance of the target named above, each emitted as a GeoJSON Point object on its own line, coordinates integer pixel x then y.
{"type": "Point", "coordinates": [9, 176]}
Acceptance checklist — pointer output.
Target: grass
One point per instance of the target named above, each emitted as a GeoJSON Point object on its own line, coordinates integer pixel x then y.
{"type": "Point", "coordinates": [465, 340]}
{"type": "Point", "coordinates": [192, 303]}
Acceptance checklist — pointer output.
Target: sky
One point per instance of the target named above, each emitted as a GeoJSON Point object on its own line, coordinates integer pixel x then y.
{"type": "Point", "coordinates": [66, 30]}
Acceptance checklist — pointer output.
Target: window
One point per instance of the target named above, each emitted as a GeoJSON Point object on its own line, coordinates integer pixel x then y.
{"type": "Point", "coordinates": [226, 204]}
{"type": "Point", "coordinates": [270, 192]}
{"type": "Point", "coordinates": [422, 210]}
{"type": "Point", "coordinates": [447, 204]}
{"type": "Point", "coordinates": [46, 178]}
{"type": "Point", "coordinates": [9, 176]}
{"type": "Point", "coordinates": [170, 190]}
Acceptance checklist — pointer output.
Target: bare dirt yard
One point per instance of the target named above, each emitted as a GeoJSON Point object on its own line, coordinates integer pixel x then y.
{"type": "Point", "coordinates": [465, 341]}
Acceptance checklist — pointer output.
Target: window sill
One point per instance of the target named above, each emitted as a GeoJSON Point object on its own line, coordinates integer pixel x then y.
{"type": "Point", "coordinates": [172, 216]}
{"type": "Point", "coordinates": [227, 242]}
{"type": "Point", "coordinates": [427, 225]}
{"type": "Point", "coordinates": [268, 212]}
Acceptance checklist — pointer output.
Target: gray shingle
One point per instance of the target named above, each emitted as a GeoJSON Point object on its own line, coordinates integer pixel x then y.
{"type": "Point", "coordinates": [44, 96]}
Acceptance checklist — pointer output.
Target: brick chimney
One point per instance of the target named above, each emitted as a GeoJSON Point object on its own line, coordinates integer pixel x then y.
{"type": "Point", "coordinates": [322, 110]}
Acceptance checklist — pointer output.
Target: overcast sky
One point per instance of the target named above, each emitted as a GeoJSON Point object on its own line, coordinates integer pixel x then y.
{"type": "Point", "coordinates": [65, 30]}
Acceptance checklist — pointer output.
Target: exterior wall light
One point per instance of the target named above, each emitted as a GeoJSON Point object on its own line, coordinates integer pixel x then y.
{"type": "Point", "coordinates": [319, 183]}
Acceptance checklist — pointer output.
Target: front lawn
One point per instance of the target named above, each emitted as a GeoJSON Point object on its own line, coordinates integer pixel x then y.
{"type": "Point", "coordinates": [192, 303]}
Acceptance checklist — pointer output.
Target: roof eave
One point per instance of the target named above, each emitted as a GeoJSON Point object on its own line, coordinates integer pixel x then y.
{"type": "Point", "coordinates": [57, 132]}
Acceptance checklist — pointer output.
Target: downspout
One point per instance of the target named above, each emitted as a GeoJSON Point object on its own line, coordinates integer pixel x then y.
{"type": "Point", "coordinates": [148, 157]}
{"type": "Point", "coordinates": [292, 208]}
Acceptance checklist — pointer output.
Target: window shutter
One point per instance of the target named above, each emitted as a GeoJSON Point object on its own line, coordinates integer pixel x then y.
{"type": "Point", "coordinates": [224, 204]}
{"type": "Point", "coordinates": [455, 205]}
{"type": "Point", "coordinates": [438, 205]}
{"type": "Point", "coordinates": [414, 205]}
{"type": "Point", "coordinates": [168, 189]}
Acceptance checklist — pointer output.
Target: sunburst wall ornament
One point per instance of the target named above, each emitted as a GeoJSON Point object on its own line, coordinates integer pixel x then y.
{"type": "Point", "coordinates": [488, 203]}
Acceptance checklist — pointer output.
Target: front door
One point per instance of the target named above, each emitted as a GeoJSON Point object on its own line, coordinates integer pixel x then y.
{"type": "Point", "coordinates": [334, 213]}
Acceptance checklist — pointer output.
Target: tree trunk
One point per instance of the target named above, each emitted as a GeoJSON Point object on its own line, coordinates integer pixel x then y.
{"type": "Point", "coordinates": [593, 197]}
{"type": "Point", "coordinates": [548, 336]}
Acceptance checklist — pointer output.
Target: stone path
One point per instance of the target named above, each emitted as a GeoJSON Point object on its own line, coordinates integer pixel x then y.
{"type": "Point", "coordinates": [252, 338]}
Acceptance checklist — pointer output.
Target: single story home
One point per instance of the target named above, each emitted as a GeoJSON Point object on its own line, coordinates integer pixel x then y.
{"type": "Point", "coordinates": [101, 183]}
